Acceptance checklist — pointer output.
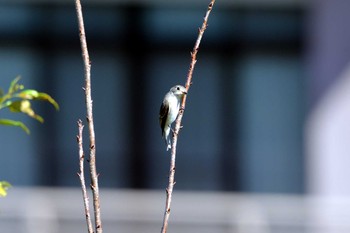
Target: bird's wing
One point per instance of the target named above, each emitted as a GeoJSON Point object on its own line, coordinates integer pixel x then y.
{"type": "Point", "coordinates": [163, 113]}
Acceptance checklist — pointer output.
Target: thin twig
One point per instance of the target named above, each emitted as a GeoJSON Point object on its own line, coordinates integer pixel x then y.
{"type": "Point", "coordinates": [171, 183]}
{"type": "Point", "coordinates": [88, 100]}
{"type": "Point", "coordinates": [82, 177]}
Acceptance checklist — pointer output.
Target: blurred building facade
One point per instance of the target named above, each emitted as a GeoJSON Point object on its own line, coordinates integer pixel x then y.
{"type": "Point", "coordinates": [267, 113]}
{"type": "Point", "coordinates": [327, 125]}
{"type": "Point", "coordinates": [46, 210]}
{"type": "Point", "coordinates": [264, 70]}
{"type": "Point", "coordinates": [245, 112]}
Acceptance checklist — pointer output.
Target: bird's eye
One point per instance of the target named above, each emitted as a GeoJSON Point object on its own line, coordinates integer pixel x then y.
{"type": "Point", "coordinates": [178, 88]}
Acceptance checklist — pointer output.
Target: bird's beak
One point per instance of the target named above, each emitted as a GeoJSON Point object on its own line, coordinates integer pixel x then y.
{"type": "Point", "coordinates": [184, 92]}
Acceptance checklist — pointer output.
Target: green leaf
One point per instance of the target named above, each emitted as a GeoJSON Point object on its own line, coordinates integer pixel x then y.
{"type": "Point", "coordinates": [24, 106]}
{"type": "Point", "coordinates": [3, 188]}
{"type": "Point", "coordinates": [6, 104]}
{"type": "Point", "coordinates": [19, 105]}
{"type": "Point", "coordinates": [14, 86]}
{"type": "Point", "coordinates": [28, 94]}
{"type": "Point", "coordinates": [48, 98]}
{"type": "Point", "coordinates": [9, 122]}
{"type": "Point", "coordinates": [31, 94]}
{"type": "Point", "coordinates": [19, 100]}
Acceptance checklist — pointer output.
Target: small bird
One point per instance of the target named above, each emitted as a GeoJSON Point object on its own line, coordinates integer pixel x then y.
{"type": "Point", "coordinates": [169, 111]}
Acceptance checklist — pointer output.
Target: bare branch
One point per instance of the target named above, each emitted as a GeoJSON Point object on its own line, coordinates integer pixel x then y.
{"type": "Point", "coordinates": [82, 177]}
{"type": "Point", "coordinates": [88, 100]}
{"type": "Point", "coordinates": [171, 183]}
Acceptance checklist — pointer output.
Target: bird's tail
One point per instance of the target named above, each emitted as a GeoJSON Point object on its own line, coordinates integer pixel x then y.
{"type": "Point", "coordinates": [168, 146]}
{"type": "Point", "coordinates": [166, 137]}
{"type": "Point", "coordinates": [167, 142]}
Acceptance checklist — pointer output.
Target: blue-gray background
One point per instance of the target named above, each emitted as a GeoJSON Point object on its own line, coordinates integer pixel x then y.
{"type": "Point", "coordinates": [243, 124]}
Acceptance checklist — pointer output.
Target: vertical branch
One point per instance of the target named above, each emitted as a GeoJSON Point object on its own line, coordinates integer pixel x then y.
{"type": "Point", "coordinates": [82, 177]}
{"type": "Point", "coordinates": [88, 100]}
{"type": "Point", "coordinates": [171, 183]}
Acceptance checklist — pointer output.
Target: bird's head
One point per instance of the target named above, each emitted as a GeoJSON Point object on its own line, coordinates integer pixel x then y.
{"type": "Point", "coordinates": [178, 90]}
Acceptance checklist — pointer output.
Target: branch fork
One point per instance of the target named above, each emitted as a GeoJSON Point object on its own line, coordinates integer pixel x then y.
{"type": "Point", "coordinates": [89, 118]}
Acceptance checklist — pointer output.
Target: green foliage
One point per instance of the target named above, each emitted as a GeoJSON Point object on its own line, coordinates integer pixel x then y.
{"type": "Point", "coordinates": [14, 123]}
{"type": "Point", "coordinates": [18, 100]}
{"type": "Point", "coordinates": [3, 188]}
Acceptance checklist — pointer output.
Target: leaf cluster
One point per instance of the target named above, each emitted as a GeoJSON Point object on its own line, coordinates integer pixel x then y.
{"type": "Point", "coordinates": [18, 100]}
{"type": "Point", "coordinates": [3, 188]}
